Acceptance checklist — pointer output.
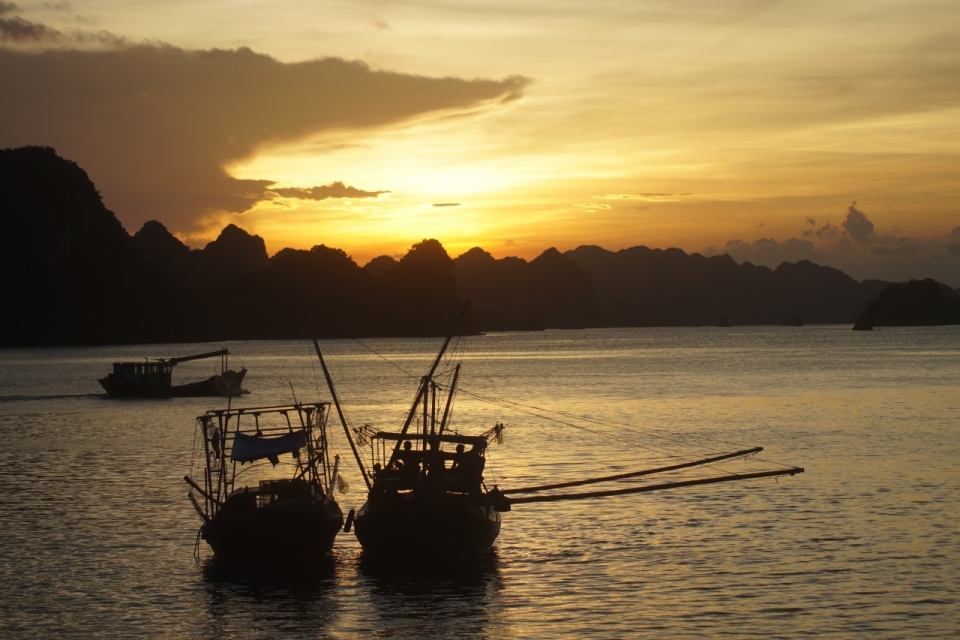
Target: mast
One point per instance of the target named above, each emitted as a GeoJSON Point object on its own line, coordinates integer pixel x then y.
{"type": "Point", "coordinates": [424, 383]}
{"type": "Point", "coordinates": [453, 388]}
{"type": "Point", "coordinates": [343, 420]}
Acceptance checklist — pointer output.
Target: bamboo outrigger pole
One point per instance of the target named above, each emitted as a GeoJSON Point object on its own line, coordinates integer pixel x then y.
{"type": "Point", "coordinates": [653, 487]}
{"type": "Point", "coordinates": [343, 420]}
{"type": "Point", "coordinates": [633, 474]}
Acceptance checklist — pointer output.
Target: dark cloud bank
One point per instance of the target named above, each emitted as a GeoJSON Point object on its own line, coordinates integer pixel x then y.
{"type": "Point", "coordinates": [154, 124]}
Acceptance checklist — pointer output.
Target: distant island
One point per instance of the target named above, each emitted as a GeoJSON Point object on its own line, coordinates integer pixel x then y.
{"type": "Point", "coordinates": [917, 303]}
{"type": "Point", "coordinates": [73, 275]}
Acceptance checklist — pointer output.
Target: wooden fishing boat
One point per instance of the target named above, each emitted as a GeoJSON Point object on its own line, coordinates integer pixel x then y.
{"type": "Point", "coordinates": [281, 510]}
{"type": "Point", "coordinates": [423, 497]}
{"type": "Point", "coordinates": [154, 379]}
{"type": "Point", "coordinates": [427, 502]}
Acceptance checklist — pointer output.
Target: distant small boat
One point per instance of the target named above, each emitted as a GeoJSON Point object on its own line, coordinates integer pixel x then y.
{"type": "Point", "coordinates": [281, 512]}
{"type": "Point", "coordinates": [153, 379]}
{"type": "Point", "coordinates": [794, 321]}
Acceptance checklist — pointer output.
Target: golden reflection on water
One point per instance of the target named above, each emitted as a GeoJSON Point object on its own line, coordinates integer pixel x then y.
{"type": "Point", "coordinates": [860, 543]}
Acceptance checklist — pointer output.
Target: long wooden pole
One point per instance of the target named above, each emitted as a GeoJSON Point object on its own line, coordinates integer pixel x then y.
{"type": "Point", "coordinates": [634, 474]}
{"type": "Point", "coordinates": [653, 487]}
{"type": "Point", "coordinates": [343, 420]}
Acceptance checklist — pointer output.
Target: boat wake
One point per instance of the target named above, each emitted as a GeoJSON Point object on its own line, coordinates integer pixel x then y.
{"type": "Point", "coordinates": [25, 398]}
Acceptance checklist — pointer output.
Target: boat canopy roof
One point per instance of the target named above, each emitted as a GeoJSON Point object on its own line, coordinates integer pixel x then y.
{"type": "Point", "coordinates": [248, 448]}
{"type": "Point", "coordinates": [477, 441]}
{"type": "Point", "coordinates": [307, 407]}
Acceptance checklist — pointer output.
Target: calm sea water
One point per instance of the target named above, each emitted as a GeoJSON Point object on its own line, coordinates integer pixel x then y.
{"type": "Point", "coordinates": [97, 537]}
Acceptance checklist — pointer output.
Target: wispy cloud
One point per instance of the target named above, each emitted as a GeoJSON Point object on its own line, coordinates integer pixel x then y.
{"type": "Point", "coordinates": [649, 197]}
{"type": "Point", "coordinates": [333, 190]}
{"type": "Point", "coordinates": [18, 31]}
{"type": "Point", "coordinates": [447, 204]}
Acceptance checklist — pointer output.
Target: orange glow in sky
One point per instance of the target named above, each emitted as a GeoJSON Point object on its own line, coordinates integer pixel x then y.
{"type": "Point", "coordinates": [617, 123]}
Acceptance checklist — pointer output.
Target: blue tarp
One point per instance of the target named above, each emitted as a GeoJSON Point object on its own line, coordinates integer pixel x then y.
{"type": "Point", "coordinates": [247, 448]}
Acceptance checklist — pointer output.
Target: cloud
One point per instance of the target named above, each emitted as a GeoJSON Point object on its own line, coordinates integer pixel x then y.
{"type": "Point", "coordinates": [377, 23]}
{"type": "Point", "coordinates": [651, 197]}
{"type": "Point", "coordinates": [592, 207]}
{"type": "Point", "coordinates": [18, 30]}
{"type": "Point", "coordinates": [858, 250]}
{"type": "Point", "coordinates": [767, 251]}
{"type": "Point", "coordinates": [333, 190]}
{"type": "Point", "coordinates": [23, 33]}
{"type": "Point", "coordinates": [899, 246]}
{"type": "Point", "coordinates": [155, 125]}
{"type": "Point", "coordinates": [447, 204]}
{"type": "Point", "coordinates": [811, 222]}
{"type": "Point", "coordinates": [829, 231]}
{"type": "Point", "coordinates": [952, 241]}
{"type": "Point", "coordinates": [857, 225]}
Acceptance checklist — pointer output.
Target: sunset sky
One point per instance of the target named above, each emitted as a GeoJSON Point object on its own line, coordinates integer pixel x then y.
{"type": "Point", "coordinates": [745, 126]}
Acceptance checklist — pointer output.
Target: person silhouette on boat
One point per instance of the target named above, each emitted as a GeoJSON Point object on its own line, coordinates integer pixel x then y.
{"type": "Point", "coordinates": [408, 463]}
{"type": "Point", "coordinates": [457, 458]}
{"type": "Point", "coordinates": [466, 474]}
{"type": "Point", "coordinates": [435, 463]}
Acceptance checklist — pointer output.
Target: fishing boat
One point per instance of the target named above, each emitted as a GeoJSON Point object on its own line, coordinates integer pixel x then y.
{"type": "Point", "coordinates": [426, 492]}
{"type": "Point", "coordinates": [154, 379]}
{"type": "Point", "coordinates": [427, 502]}
{"type": "Point", "coordinates": [267, 484]}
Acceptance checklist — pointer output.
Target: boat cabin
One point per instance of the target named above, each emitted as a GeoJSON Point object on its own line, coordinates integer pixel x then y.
{"type": "Point", "coordinates": [153, 374]}
{"type": "Point", "coordinates": [448, 463]}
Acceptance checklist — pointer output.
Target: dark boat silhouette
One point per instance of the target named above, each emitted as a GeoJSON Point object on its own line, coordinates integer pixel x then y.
{"type": "Point", "coordinates": [423, 497]}
{"type": "Point", "coordinates": [280, 511]}
{"type": "Point", "coordinates": [154, 379]}
{"type": "Point", "coordinates": [428, 503]}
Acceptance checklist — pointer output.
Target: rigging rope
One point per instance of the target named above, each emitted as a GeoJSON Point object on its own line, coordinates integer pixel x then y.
{"type": "Point", "coordinates": [539, 412]}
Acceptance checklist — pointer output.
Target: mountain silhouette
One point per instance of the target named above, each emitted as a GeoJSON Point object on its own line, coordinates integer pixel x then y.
{"type": "Point", "coordinates": [234, 253]}
{"type": "Point", "coordinates": [914, 303]}
{"type": "Point", "coordinates": [72, 274]}
{"type": "Point", "coordinates": [654, 286]}
{"type": "Point", "coordinates": [512, 294]}
{"type": "Point", "coordinates": [75, 276]}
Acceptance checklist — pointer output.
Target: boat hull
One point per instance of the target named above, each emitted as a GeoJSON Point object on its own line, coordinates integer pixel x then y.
{"type": "Point", "coordinates": [271, 536]}
{"type": "Point", "coordinates": [226, 384]}
{"type": "Point", "coordinates": [438, 527]}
